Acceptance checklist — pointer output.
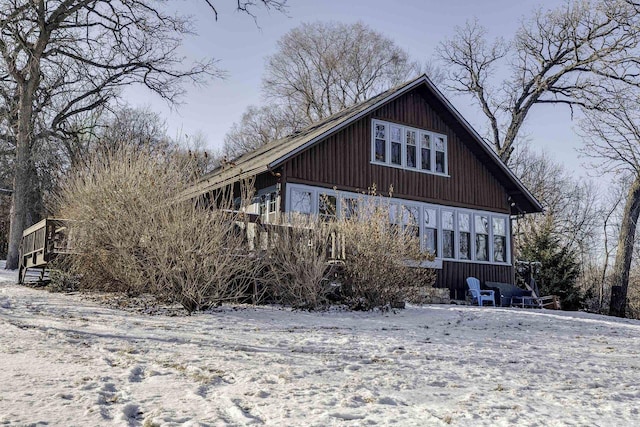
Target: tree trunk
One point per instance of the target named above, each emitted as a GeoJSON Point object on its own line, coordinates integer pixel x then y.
{"type": "Point", "coordinates": [624, 253]}
{"type": "Point", "coordinates": [24, 168]}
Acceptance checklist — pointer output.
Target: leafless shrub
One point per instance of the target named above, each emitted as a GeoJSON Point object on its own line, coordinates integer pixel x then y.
{"type": "Point", "coordinates": [383, 259]}
{"type": "Point", "coordinates": [131, 236]}
{"type": "Point", "coordinates": [297, 258]}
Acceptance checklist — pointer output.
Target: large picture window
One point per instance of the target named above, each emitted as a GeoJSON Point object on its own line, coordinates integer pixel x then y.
{"type": "Point", "coordinates": [452, 234]}
{"type": "Point", "coordinates": [409, 148]}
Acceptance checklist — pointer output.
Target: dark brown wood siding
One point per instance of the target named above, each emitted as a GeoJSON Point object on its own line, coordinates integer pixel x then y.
{"type": "Point", "coordinates": [343, 160]}
{"type": "Point", "coordinates": [454, 275]}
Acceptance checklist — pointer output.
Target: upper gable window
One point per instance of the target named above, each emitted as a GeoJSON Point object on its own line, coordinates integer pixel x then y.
{"type": "Point", "coordinates": [408, 148]}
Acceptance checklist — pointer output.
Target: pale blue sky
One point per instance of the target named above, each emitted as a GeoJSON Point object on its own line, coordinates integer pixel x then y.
{"type": "Point", "coordinates": [417, 26]}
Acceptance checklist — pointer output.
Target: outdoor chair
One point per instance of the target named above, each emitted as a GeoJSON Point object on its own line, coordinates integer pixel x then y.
{"type": "Point", "coordinates": [478, 295]}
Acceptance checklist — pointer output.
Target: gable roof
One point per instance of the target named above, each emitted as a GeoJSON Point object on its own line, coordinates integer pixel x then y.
{"type": "Point", "coordinates": [274, 153]}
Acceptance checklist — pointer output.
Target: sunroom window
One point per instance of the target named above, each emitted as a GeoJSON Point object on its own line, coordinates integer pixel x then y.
{"type": "Point", "coordinates": [499, 240]}
{"type": "Point", "coordinates": [431, 230]}
{"type": "Point", "coordinates": [482, 238]}
{"type": "Point", "coordinates": [450, 233]}
{"type": "Point", "coordinates": [410, 220]}
{"type": "Point", "coordinates": [409, 148]}
{"type": "Point", "coordinates": [301, 201]}
{"type": "Point", "coordinates": [327, 206]}
{"type": "Point", "coordinates": [464, 236]}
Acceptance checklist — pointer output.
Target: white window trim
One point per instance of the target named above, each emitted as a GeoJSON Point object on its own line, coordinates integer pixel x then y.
{"type": "Point", "coordinates": [341, 195]}
{"type": "Point", "coordinates": [403, 150]}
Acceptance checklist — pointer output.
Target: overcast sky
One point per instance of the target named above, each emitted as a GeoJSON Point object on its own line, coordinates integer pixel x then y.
{"type": "Point", "coordinates": [417, 26]}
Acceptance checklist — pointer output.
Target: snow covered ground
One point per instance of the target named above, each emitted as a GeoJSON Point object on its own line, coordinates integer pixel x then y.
{"type": "Point", "coordinates": [68, 361]}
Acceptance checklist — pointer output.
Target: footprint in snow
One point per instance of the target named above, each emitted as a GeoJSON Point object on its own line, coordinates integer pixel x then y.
{"type": "Point", "coordinates": [131, 413]}
{"type": "Point", "coordinates": [136, 374]}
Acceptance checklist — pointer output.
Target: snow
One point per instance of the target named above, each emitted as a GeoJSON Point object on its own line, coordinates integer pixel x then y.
{"type": "Point", "coordinates": [67, 360]}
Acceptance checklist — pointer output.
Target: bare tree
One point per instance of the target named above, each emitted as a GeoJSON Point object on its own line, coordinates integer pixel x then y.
{"type": "Point", "coordinates": [63, 58]}
{"type": "Point", "coordinates": [258, 126]}
{"type": "Point", "coordinates": [570, 204]}
{"type": "Point", "coordinates": [105, 131]}
{"type": "Point", "coordinates": [558, 56]}
{"type": "Point", "coordinates": [612, 135]}
{"type": "Point", "coordinates": [321, 68]}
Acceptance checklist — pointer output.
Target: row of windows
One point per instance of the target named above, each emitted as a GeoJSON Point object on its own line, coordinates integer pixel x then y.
{"type": "Point", "coordinates": [449, 233]}
{"type": "Point", "coordinates": [408, 148]}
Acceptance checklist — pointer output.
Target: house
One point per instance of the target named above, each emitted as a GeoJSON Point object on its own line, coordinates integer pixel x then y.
{"type": "Point", "coordinates": [444, 176]}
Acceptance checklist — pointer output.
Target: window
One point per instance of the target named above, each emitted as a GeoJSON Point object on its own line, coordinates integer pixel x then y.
{"type": "Point", "coordinates": [349, 207]}
{"type": "Point", "coordinates": [453, 234]}
{"type": "Point", "coordinates": [380, 142]}
{"type": "Point", "coordinates": [410, 221]}
{"type": "Point", "coordinates": [272, 202]}
{"type": "Point", "coordinates": [412, 154]}
{"type": "Point", "coordinates": [499, 240]}
{"type": "Point", "coordinates": [409, 148]}
{"type": "Point", "coordinates": [327, 207]}
{"type": "Point", "coordinates": [425, 151]}
{"type": "Point", "coordinates": [431, 230]}
{"type": "Point", "coordinates": [262, 206]}
{"type": "Point", "coordinates": [301, 201]}
{"type": "Point", "coordinates": [441, 163]}
{"type": "Point", "coordinates": [465, 236]}
{"type": "Point", "coordinates": [448, 235]}
{"type": "Point", "coordinates": [396, 145]}
{"type": "Point", "coordinates": [482, 238]}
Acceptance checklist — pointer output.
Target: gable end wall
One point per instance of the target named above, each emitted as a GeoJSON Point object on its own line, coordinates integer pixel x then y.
{"type": "Point", "coordinates": [343, 161]}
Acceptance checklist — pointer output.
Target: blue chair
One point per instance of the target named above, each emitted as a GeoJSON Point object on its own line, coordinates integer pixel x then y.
{"type": "Point", "coordinates": [477, 295]}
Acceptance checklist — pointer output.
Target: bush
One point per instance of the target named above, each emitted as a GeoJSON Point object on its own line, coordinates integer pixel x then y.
{"type": "Point", "coordinates": [298, 270]}
{"type": "Point", "coordinates": [131, 235]}
{"type": "Point", "coordinates": [382, 263]}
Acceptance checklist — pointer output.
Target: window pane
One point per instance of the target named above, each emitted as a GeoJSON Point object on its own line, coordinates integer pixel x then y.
{"type": "Point", "coordinates": [440, 144]}
{"type": "Point", "coordinates": [431, 240]}
{"type": "Point", "coordinates": [411, 156]}
{"type": "Point", "coordinates": [465, 245]}
{"type": "Point", "coordinates": [499, 244]}
{"type": "Point", "coordinates": [262, 207]}
{"type": "Point", "coordinates": [393, 213]}
{"type": "Point", "coordinates": [439, 162]}
{"type": "Point", "coordinates": [447, 243]}
{"type": "Point", "coordinates": [381, 150]}
{"type": "Point", "coordinates": [425, 162]}
{"type": "Point", "coordinates": [396, 153]}
{"type": "Point", "coordinates": [349, 207]}
{"type": "Point", "coordinates": [447, 220]}
{"type": "Point", "coordinates": [425, 141]}
{"type": "Point", "coordinates": [396, 134]}
{"type": "Point", "coordinates": [301, 201]}
{"type": "Point", "coordinates": [411, 137]}
{"type": "Point", "coordinates": [327, 206]}
{"type": "Point", "coordinates": [410, 215]}
{"type": "Point", "coordinates": [482, 224]}
{"type": "Point", "coordinates": [430, 219]}
{"type": "Point", "coordinates": [272, 202]}
{"type": "Point", "coordinates": [499, 228]}
{"type": "Point", "coordinates": [463, 222]}
{"type": "Point", "coordinates": [380, 131]}
{"type": "Point", "coordinates": [482, 247]}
